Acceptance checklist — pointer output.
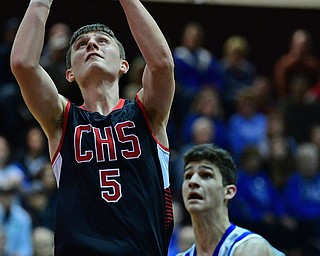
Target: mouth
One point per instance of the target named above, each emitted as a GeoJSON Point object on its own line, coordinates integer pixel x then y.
{"type": "Point", "coordinates": [194, 196]}
{"type": "Point", "coordinates": [93, 55]}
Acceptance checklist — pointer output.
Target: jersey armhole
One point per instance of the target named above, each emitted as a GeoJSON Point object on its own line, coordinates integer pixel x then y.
{"type": "Point", "coordinates": [65, 119]}
{"type": "Point", "coordinates": [140, 104]}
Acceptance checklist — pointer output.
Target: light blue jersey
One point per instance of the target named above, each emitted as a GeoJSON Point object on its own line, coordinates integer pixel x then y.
{"type": "Point", "coordinates": [232, 238]}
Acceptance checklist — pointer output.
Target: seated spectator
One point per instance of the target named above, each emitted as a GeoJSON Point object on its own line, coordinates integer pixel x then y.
{"type": "Point", "coordinates": [40, 199]}
{"type": "Point", "coordinates": [10, 172]}
{"type": "Point", "coordinates": [206, 103]}
{"type": "Point", "coordinates": [134, 78]}
{"type": "Point", "coordinates": [258, 206]}
{"type": "Point", "coordinates": [15, 223]}
{"type": "Point", "coordinates": [238, 72]}
{"type": "Point", "coordinates": [195, 68]}
{"type": "Point", "coordinates": [247, 126]}
{"type": "Point", "coordinates": [280, 162]}
{"type": "Point", "coordinates": [276, 127]}
{"type": "Point", "coordinates": [298, 61]}
{"type": "Point", "coordinates": [262, 89]}
{"type": "Point", "coordinates": [34, 156]}
{"type": "Point", "coordinates": [302, 198]}
{"type": "Point", "coordinates": [13, 111]}
{"type": "Point", "coordinates": [298, 110]}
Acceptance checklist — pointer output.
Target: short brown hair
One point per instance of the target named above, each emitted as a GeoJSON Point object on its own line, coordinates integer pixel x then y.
{"type": "Point", "coordinates": [96, 27]}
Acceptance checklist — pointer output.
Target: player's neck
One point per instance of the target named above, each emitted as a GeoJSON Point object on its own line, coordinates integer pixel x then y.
{"type": "Point", "coordinates": [101, 99]}
{"type": "Point", "coordinates": [208, 233]}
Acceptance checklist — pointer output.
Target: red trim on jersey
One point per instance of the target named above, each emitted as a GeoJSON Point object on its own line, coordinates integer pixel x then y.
{"type": "Point", "coordinates": [119, 105]}
{"type": "Point", "coordinates": [169, 208]}
{"type": "Point", "coordinates": [66, 113]}
{"type": "Point", "coordinates": [147, 120]}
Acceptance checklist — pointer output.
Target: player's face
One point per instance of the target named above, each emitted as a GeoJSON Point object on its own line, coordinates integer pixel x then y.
{"type": "Point", "coordinates": [95, 51]}
{"type": "Point", "coordinates": [202, 188]}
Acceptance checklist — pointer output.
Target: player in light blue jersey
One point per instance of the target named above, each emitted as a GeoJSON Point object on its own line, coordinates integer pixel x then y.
{"type": "Point", "coordinates": [209, 184]}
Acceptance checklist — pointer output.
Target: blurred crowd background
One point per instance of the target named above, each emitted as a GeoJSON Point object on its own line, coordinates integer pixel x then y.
{"type": "Point", "coordinates": [266, 116]}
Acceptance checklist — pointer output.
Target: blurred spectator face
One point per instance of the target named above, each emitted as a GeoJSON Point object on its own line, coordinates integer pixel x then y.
{"type": "Point", "coordinates": [202, 130]}
{"type": "Point", "coordinates": [43, 242]}
{"type": "Point", "coordinates": [186, 238]}
{"type": "Point", "coordinates": [315, 135]}
{"type": "Point", "coordinates": [246, 103]}
{"type": "Point", "coordinates": [308, 159]}
{"type": "Point", "coordinates": [300, 43]}
{"type": "Point", "coordinates": [193, 36]}
{"type": "Point", "coordinates": [35, 140]}
{"type": "Point", "coordinates": [7, 194]}
{"type": "Point", "coordinates": [262, 87]}
{"type": "Point", "coordinates": [298, 87]}
{"type": "Point", "coordinates": [251, 160]}
{"type": "Point", "coordinates": [278, 148]}
{"type": "Point", "coordinates": [276, 125]}
{"type": "Point", "coordinates": [207, 103]}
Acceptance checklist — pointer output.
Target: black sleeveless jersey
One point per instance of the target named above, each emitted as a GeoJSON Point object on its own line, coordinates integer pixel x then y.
{"type": "Point", "coordinates": [113, 185]}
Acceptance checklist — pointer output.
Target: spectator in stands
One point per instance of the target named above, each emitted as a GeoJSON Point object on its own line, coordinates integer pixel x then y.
{"type": "Point", "coordinates": [246, 126]}
{"type": "Point", "coordinates": [10, 172]}
{"type": "Point", "coordinates": [134, 78]}
{"type": "Point", "coordinates": [297, 110]}
{"type": "Point", "coordinates": [262, 89]}
{"type": "Point", "coordinates": [280, 161]}
{"type": "Point", "coordinates": [40, 199]}
{"type": "Point", "coordinates": [13, 112]}
{"type": "Point", "coordinates": [258, 206]}
{"type": "Point", "coordinates": [206, 103]}
{"type": "Point", "coordinates": [196, 67]}
{"type": "Point", "coordinates": [238, 71]}
{"type": "Point", "coordinates": [302, 198]}
{"type": "Point", "coordinates": [54, 62]}
{"type": "Point", "coordinates": [276, 128]}
{"type": "Point", "coordinates": [298, 61]}
{"type": "Point", "coordinates": [15, 223]}
{"type": "Point", "coordinates": [35, 155]}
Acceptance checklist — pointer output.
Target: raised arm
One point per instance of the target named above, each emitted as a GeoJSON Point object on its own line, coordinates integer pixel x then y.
{"type": "Point", "coordinates": [38, 90]}
{"type": "Point", "coordinates": [158, 79]}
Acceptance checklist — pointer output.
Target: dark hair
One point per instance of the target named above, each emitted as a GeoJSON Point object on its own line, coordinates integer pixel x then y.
{"type": "Point", "coordinates": [96, 27]}
{"type": "Point", "coordinates": [218, 156]}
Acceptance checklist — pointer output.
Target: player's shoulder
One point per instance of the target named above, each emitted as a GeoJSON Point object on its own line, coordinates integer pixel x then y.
{"type": "Point", "coordinates": [256, 246]}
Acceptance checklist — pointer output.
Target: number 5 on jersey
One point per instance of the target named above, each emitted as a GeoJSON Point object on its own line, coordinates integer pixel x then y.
{"type": "Point", "coordinates": [113, 194]}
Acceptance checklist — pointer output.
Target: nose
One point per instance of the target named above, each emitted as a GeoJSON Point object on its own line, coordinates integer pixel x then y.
{"type": "Point", "coordinates": [194, 181]}
{"type": "Point", "coordinates": [92, 44]}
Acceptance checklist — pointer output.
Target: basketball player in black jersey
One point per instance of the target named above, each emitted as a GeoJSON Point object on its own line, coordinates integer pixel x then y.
{"type": "Point", "coordinates": [109, 156]}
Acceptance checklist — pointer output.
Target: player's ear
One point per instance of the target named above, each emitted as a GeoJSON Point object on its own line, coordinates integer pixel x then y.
{"type": "Point", "coordinates": [69, 75]}
{"type": "Point", "coordinates": [124, 67]}
{"type": "Point", "coordinates": [230, 191]}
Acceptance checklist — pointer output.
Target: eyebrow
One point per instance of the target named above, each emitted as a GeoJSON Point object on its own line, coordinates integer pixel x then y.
{"type": "Point", "coordinates": [205, 166]}
{"type": "Point", "coordinates": [86, 34]}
